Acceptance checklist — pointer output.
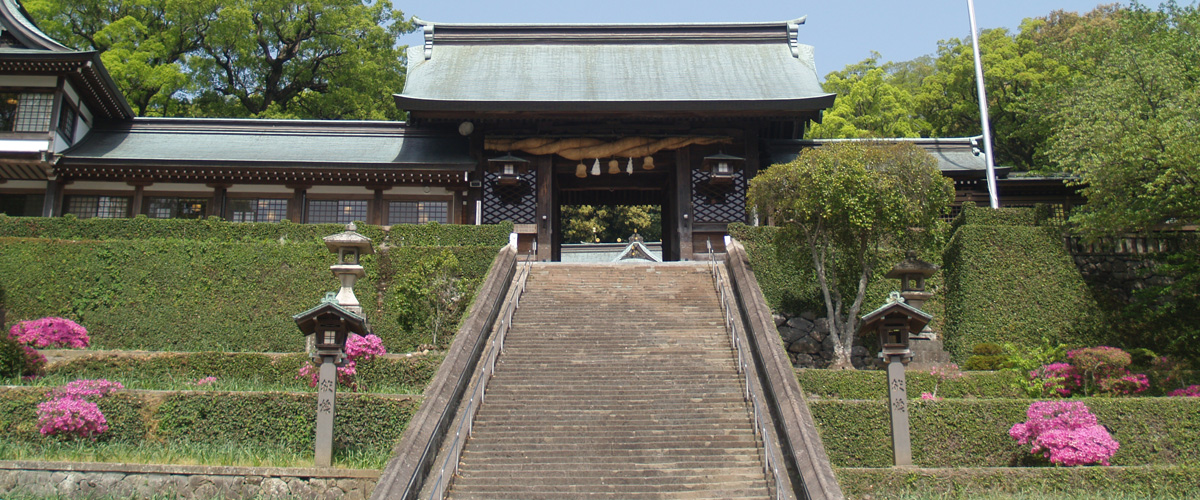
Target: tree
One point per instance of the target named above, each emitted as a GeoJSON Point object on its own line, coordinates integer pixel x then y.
{"type": "Point", "coordinates": [331, 59]}
{"type": "Point", "coordinates": [846, 203]}
{"type": "Point", "coordinates": [1128, 130]}
{"type": "Point", "coordinates": [301, 59]}
{"type": "Point", "coordinates": [868, 104]}
{"type": "Point", "coordinates": [1016, 73]}
{"type": "Point", "coordinates": [143, 43]}
{"type": "Point", "coordinates": [608, 223]}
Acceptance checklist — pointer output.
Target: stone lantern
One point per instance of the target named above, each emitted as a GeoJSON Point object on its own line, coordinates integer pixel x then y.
{"type": "Point", "coordinates": [331, 325]}
{"type": "Point", "coordinates": [912, 273]}
{"type": "Point", "coordinates": [509, 168]}
{"type": "Point", "coordinates": [893, 323]}
{"type": "Point", "coordinates": [349, 247]}
{"type": "Point", "coordinates": [720, 168]}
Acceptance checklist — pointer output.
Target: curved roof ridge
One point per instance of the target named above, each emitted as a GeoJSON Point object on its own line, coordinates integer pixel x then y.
{"type": "Point", "coordinates": [16, 20]}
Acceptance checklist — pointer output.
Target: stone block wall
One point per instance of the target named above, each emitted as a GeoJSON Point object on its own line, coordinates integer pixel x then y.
{"type": "Point", "coordinates": [809, 344]}
{"type": "Point", "coordinates": [93, 480]}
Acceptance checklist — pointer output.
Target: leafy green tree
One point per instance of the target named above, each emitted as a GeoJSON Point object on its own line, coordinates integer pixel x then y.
{"type": "Point", "coordinates": [330, 59]}
{"type": "Point", "coordinates": [301, 59]}
{"type": "Point", "coordinates": [1129, 129]}
{"type": "Point", "coordinates": [846, 203]}
{"type": "Point", "coordinates": [1016, 73]}
{"type": "Point", "coordinates": [610, 223]}
{"type": "Point", "coordinates": [143, 43]}
{"type": "Point", "coordinates": [868, 104]}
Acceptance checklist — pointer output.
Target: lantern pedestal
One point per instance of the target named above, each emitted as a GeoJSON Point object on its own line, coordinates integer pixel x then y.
{"type": "Point", "coordinates": [898, 406]}
{"type": "Point", "coordinates": [326, 397]}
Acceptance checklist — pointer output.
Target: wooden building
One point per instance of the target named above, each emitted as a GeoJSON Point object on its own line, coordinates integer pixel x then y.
{"type": "Point", "coordinates": [506, 122]}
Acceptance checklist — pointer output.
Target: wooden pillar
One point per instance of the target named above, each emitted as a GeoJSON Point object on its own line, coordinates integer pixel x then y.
{"type": "Point", "coordinates": [545, 207]}
{"type": "Point", "coordinates": [139, 197]}
{"type": "Point", "coordinates": [378, 208]}
{"type": "Point", "coordinates": [52, 204]}
{"type": "Point", "coordinates": [753, 160]}
{"type": "Point", "coordinates": [683, 201]}
{"type": "Point", "coordinates": [295, 211]}
{"type": "Point", "coordinates": [217, 207]}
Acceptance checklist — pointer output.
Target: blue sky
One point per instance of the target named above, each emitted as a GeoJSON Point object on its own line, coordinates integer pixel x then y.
{"type": "Point", "coordinates": [843, 32]}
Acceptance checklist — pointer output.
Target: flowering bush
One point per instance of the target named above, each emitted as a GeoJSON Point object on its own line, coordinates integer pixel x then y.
{"type": "Point", "coordinates": [70, 412]}
{"type": "Point", "coordinates": [1066, 433]}
{"type": "Point", "coordinates": [50, 332]}
{"type": "Point", "coordinates": [86, 388]}
{"type": "Point", "coordinates": [71, 416]}
{"type": "Point", "coordinates": [358, 348]}
{"type": "Point", "coordinates": [942, 374]}
{"type": "Point", "coordinates": [1191, 391]}
{"type": "Point", "coordinates": [1125, 385]}
{"type": "Point", "coordinates": [925, 396]}
{"type": "Point", "coordinates": [1057, 379]}
{"type": "Point", "coordinates": [206, 380]}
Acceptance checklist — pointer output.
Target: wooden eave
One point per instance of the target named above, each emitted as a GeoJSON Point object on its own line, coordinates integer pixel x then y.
{"type": "Point", "coordinates": [260, 174]}
{"type": "Point", "coordinates": [83, 69]}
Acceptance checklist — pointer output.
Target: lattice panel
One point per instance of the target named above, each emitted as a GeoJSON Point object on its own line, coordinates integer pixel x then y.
{"type": "Point", "coordinates": [512, 203]}
{"type": "Point", "coordinates": [721, 203]}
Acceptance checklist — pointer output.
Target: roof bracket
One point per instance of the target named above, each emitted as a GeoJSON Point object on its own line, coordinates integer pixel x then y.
{"type": "Point", "coordinates": [428, 28]}
{"type": "Point", "coordinates": [793, 35]}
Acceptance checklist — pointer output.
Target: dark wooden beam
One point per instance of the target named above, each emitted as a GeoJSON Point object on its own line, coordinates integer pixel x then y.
{"type": "Point", "coordinates": [545, 208]}
{"type": "Point", "coordinates": [683, 201]}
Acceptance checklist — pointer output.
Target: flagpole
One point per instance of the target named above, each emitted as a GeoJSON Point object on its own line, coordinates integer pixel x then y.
{"type": "Point", "coordinates": [993, 197]}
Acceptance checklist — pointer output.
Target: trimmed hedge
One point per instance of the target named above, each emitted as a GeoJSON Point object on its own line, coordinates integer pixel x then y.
{"type": "Point", "coordinates": [69, 227]}
{"type": "Point", "coordinates": [415, 371]}
{"type": "Point", "coordinates": [204, 294]}
{"type": "Point", "coordinates": [1091, 482]}
{"type": "Point", "coordinates": [974, 433]}
{"type": "Point", "coordinates": [1017, 284]}
{"type": "Point", "coordinates": [280, 420]}
{"type": "Point", "coordinates": [872, 384]}
{"type": "Point", "coordinates": [972, 215]}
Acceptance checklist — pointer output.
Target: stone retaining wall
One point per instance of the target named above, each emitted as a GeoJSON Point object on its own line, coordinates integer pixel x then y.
{"type": "Point", "coordinates": [92, 480]}
{"type": "Point", "coordinates": [809, 345]}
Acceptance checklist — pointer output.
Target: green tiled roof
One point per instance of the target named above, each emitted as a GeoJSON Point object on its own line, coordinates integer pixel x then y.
{"type": "Point", "coordinates": [955, 155]}
{"type": "Point", "coordinates": [730, 67]}
{"type": "Point", "coordinates": [358, 144]}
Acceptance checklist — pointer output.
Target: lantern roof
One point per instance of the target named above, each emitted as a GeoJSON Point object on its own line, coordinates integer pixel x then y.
{"type": "Point", "coordinates": [349, 239]}
{"type": "Point", "coordinates": [307, 320]}
{"type": "Point", "coordinates": [723, 156]}
{"type": "Point", "coordinates": [912, 266]}
{"type": "Point", "coordinates": [917, 319]}
{"type": "Point", "coordinates": [507, 158]}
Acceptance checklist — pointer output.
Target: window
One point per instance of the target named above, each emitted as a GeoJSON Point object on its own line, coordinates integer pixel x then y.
{"type": "Point", "coordinates": [259, 210]}
{"type": "Point", "coordinates": [104, 207]}
{"type": "Point", "coordinates": [66, 121]}
{"type": "Point", "coordinates": [336, 211]}
{"type": "Point", "coordinates": [418, 212]}
{"type": "Point", "coordinates": [169, 207]}
{"type": "Point", "coordinates": [25, 112]}
{"type": "Point", "coordinates": [22, 205]}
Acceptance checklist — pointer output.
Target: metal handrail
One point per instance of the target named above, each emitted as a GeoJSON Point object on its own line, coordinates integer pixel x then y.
{"type": "Point", "coordinates": [466, 424]}
{"type": "Point", "coordinates": [753, 393]}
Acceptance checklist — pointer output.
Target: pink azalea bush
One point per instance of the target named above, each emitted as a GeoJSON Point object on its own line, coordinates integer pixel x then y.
{"type": "Point", "coordinates": [1057, 378]}
{"type": "Point", "coordinates": [72, 417]}
{"type": "Point", "coordinates": [1092, 370]}
{"type": "Point", "coordinates": [206, 380]}
{"type": "Point", "coordinates": [925, 396]}
{"type": "Point", "coordinates": [1191, 391]}
{"type": "Point", "coordinates": [1066, 433]}
{"type": "Point", "coordinates": [70, 412]}
{"type": "Point", "coordinates": [50, 332]}
{"type": "Point", "coordinates": [943, 373]}
{"type": "Point", "coordinates": [358, 348]}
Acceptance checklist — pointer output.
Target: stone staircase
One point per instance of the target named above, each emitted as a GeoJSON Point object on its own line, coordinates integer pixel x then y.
{"type": "Point", "coordinates": [616, 381]}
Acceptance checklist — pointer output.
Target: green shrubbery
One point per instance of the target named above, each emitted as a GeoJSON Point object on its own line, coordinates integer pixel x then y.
{"type": "Point", "coordinates": [413, 372]}
{"type": "Point", "coordinates": [974, 432]}
{"type": "Point", "coordinates": [872, 384]}
{"type": "Point", "coordinates": [1014, 283]}
{"type": "Point", "coordinates": [216, 285]}
{"type": "Point", "coordinates": [1158, 483]}
{"type": "Point", "coordinates": [275, 420]}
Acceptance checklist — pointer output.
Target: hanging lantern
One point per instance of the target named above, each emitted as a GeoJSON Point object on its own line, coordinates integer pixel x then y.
{"type": "Point", "coordinates": [614, 166]}
{"type": "Point", "coordinates": [720, 167]}
{"type": "Point", "coordinates": [629, 166]}
{"type": "Point", "coordinates": [648, 163]}
{"type": "Point", "coordinates": [509, 168]}
{"type": "Point", "coordinates": [581, 170]}
{"type": "Point", "coordinates": [596, 167]}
